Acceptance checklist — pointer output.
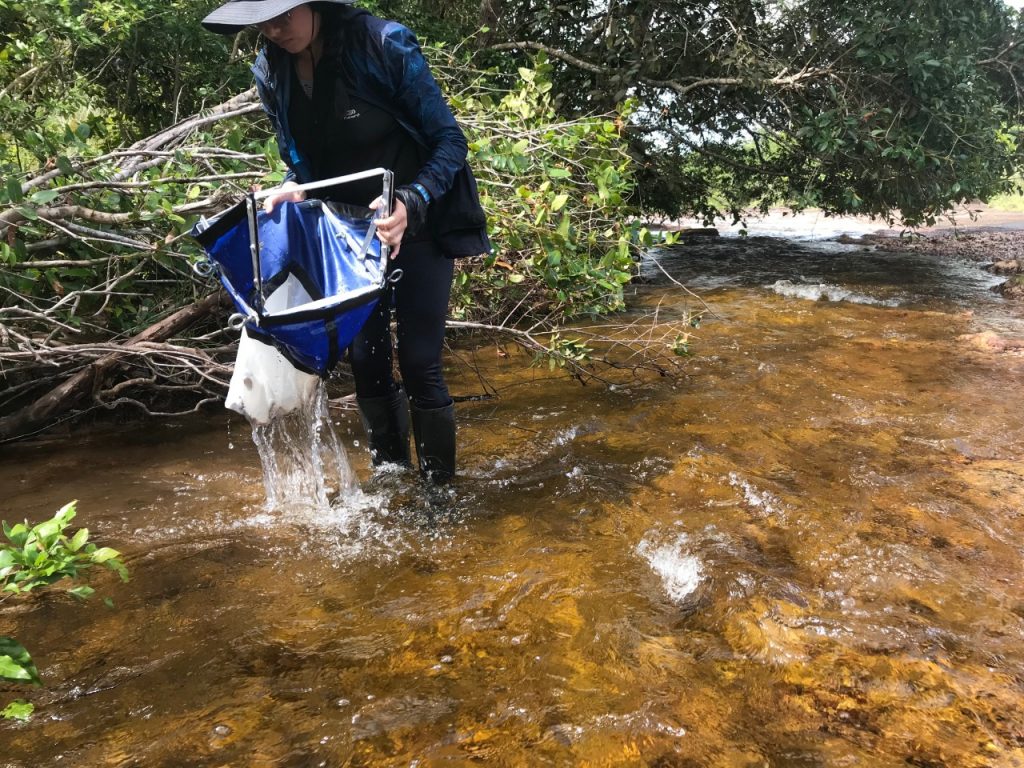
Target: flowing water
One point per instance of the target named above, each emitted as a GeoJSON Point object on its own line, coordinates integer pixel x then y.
{"type": "Point", "coordinates": [805, 552]}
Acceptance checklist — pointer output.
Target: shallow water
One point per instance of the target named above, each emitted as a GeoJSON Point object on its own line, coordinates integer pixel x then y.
{"type": "Point", "coordinates": [805, 552]}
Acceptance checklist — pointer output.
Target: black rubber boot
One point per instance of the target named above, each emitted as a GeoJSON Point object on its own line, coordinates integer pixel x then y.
{"type": "Point", "coordinates": [434, 430]}
{"type": "Point", "coordinates": [386, 421]}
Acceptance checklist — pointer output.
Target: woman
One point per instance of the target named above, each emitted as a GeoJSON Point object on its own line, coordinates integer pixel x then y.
{"type": "Point", "coordinates": [346, 92]}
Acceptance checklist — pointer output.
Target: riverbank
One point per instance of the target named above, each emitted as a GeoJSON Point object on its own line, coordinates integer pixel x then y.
{"type": "Point", "coordinates": [993, 237]}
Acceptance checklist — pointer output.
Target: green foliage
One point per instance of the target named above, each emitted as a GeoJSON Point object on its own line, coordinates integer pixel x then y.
{"type": "Point", "coordinates": [16, 664]}
{"type": "Point", "coordinates": [852, 107]}
{"type": "Point", "coordinates": [564, 353]}
{"type": "Point", "coordinates": [555, 192]}
{"type": "Point", "coordinates": [1012, 200]}
{"type": "Point", "coordinates": [18, 709]}
{"type": "Point", "coordinates": [43, 554]}
{"type": "Point", "coordinates": [89, 245]}
{"type": "Point", "coordinates": [119, 69]}
{"type": "Point", "coordinates": [38, 556]}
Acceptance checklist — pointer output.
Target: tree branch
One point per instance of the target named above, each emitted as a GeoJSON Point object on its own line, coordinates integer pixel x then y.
{"type": "Point", "coordinates": [61, 398]}
{"type": "Point", "coordinates": [783, 80]}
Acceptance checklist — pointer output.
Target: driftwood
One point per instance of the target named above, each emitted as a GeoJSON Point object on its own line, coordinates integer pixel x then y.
{"type": "Point", "coordinates": [69, 393]}
{"type": "Point", "coordinates": [60, 353]}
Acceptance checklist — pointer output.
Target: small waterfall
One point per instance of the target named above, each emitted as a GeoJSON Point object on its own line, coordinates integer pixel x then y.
{"type": "Point", "coordinates": [304, 462]}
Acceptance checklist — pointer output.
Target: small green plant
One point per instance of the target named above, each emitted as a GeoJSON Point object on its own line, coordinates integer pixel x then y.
{"type": "Point", "coordinates": [16, 665]}
{"type": "Point", "coordinates": [17, 710]}
{"type": "Point", "coordinates": [38, 556]}
{"type": "Point", "coordinates": [681, 345]}
{"type": "Point", "coordinates": [43, 554]}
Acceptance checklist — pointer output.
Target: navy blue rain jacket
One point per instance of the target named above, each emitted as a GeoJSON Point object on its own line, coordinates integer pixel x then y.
{"type": "Point", "coordinates": [382, 64]}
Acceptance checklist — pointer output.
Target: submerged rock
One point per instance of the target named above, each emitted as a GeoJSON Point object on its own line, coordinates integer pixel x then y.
{"type": "Point", "coordinates": [990, 341]}
{"type": "Point", "coordinates": [1007, 267]}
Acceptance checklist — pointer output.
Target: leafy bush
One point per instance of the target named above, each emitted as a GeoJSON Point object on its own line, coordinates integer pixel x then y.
{"type": "Point", "coordinates": [555, 193]}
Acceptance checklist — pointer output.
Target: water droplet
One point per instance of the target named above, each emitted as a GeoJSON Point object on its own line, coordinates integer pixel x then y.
{"type": "Point", "coordinates": [222, 730]}
{"type": "Point", "coordinates": [446, 659]}
{"type": "Point", "coordinates": [342, 703]}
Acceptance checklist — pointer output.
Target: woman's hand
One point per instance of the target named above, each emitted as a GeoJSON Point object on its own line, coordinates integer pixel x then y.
{"type": "Point", "coordinates": [287, 193]}
{"type": "Point", "coordinates": [391, 230]}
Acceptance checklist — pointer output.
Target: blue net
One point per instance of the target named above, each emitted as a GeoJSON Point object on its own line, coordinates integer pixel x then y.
{"type": "Point", "coordinates": [318, 277]}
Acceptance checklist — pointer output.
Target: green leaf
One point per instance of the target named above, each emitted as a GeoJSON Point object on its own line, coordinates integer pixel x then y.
{"type": "Point", "coordinates": [48, 529]}
{"type": "Point", "coordinates": [79, 539]}
{"type": "Point", "coordinates": [104, 554]}
{"type": "Point", "coordinates": [82, 592]}
{"type": "Point", "coordinates": [17, 710]}
{"type": "Point", "coordinates": [14, 190]}
{"type": "Point", "coordinates": [16, 663]}
{"type": "Point", "coordinates": [44, 196]}
{"type": "Point", "coordinates": [10, 670]}
{"type": "Point", "coordinates": [559, 202]}
{"type": "Point", "coordinates": [559, 173]}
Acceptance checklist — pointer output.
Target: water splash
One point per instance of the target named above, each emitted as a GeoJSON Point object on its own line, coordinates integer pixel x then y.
{"type": "Point", "coordinates": [311, 488]}
{"type": "Point", "coordinates": [304, 462]}
{"type": "Point", "coordinates": [826, 292]}
{"type": "Point", "coordinates": [763, 501]}
{"type": "Point", "coordinates": [681, 572]}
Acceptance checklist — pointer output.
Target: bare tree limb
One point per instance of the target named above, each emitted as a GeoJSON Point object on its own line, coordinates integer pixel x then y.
{"type": "Point", "coordinates": [64, 396]}
{"type": "Point", "coordinates": [782, 79]}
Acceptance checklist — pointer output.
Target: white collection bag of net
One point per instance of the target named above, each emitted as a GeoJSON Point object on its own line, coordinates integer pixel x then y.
{"type": "Point", "coordinates": [265, 385]}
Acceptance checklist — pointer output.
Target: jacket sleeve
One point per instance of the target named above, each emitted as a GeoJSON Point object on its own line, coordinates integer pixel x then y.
{"type": "Point", "coordinates": [261, 69]}
{"type": "Point", "coordinates": [421, 102]}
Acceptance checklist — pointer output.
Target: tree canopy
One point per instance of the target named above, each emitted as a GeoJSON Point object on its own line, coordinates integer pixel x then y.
{"type": "Point", "coordinates": [851, 106]}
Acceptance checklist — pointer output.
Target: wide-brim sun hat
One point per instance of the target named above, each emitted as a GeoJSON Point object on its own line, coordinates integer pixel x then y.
{"type": "Point", "coordinates": [236, 15]}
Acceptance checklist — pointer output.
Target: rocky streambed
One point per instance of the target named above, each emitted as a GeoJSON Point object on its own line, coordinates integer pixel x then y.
{"type": "Point", "coordinates": [977, 233]}
{"type": "Point", "coordinates": [1001, 249]}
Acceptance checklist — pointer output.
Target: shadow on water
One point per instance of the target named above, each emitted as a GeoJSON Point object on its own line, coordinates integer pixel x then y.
{"type": "Point", "coordinates": [805, 552]}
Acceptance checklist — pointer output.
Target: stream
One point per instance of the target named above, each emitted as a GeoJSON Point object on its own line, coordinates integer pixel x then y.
{"type": "Point", "coordinates": [804, 552]}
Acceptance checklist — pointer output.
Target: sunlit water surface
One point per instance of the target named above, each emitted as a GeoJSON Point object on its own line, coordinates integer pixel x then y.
{"type": "Point", "coordinates": [806, 552]}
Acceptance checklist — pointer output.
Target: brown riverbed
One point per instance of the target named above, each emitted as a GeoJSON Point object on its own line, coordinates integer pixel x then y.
{"type": "Point", "coordinates": [805, 552]}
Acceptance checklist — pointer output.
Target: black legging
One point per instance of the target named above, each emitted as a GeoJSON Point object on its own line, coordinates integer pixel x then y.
{"type": "Point", "coordinates": [420, 301]}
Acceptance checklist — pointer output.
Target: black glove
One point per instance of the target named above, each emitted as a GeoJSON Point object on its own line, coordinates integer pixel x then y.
{"type": "Point", "coordinates": [415, 209]}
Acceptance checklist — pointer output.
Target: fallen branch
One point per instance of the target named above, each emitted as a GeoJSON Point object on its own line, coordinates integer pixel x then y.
{"type": "Point", "coordinates": [89, 379]}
